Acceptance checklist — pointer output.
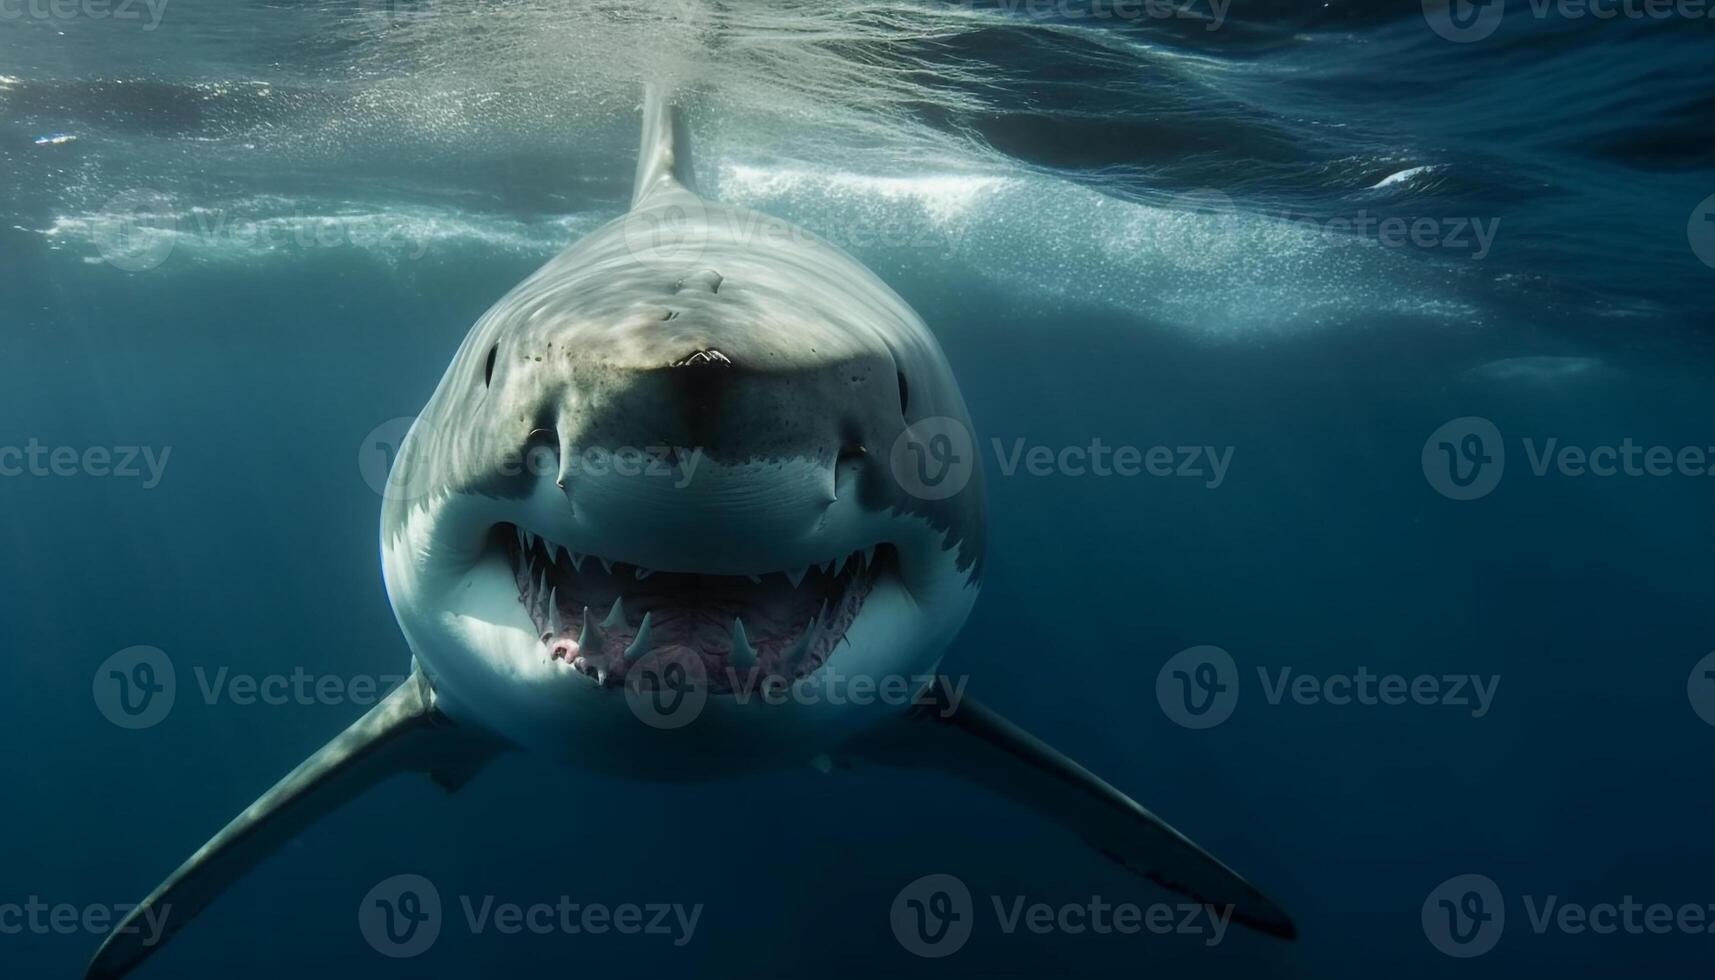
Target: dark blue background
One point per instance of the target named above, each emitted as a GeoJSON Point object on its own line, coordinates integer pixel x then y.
{"type": "Point", "coordinates": [1326, 550]}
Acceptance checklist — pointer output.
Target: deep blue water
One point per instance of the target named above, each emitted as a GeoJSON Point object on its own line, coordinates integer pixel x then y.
{"type": "Point", "coordinates": [1132, 231]}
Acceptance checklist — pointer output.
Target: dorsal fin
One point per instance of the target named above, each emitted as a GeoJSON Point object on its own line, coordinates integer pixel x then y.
{"type": "Point", "coordinates": [664, 160]}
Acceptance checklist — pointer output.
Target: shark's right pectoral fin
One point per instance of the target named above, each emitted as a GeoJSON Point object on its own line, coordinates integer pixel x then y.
{"type": "Point", "coordinates": [961, 737]}
{"type": "Point", "coordinates": [404, 733]}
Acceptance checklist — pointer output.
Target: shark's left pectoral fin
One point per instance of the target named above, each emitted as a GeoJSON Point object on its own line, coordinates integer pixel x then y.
{"type": "Point", "coordinates": [961, 737]}
{"type": "Point", "coordinates": [404, 733]}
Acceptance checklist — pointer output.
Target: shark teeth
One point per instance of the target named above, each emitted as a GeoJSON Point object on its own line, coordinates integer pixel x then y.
{"type": "Point", "coordinates": [801, 646]}
{"type": "Point", "coordinates": [639, 646]}
{"type": "Point", "coordinates": [590, 640]}
{"type": "Point", "coordinates": [555, 583]}
{"type": "Point", "coordinates": [743, 655]}
{"type": "Point", "coordinates": [615, 616]}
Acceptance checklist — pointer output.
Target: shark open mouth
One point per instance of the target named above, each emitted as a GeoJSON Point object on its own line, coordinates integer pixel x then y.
{"type": "Point", "coordinates": [604, 617]}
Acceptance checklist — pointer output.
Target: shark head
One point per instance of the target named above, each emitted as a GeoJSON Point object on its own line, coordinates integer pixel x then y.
{"type": "Point", "coordinates": [674, 451]}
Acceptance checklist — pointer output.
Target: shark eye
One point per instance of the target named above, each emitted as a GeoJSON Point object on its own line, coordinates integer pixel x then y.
{"type": "Point", "coordinates": [904, 395]}
{"type": "Point", "coordinates": [488, 369]}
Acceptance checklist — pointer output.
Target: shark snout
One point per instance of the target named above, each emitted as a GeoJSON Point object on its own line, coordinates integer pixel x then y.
{"type": "Point", "coordinates": [737, 407]}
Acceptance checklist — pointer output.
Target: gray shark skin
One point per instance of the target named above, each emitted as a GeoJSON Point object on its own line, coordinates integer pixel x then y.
{"type": "Point", "coordinates": [667, 454]}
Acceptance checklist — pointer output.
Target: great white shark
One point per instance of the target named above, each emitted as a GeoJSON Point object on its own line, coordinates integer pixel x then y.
{"type": "Point", "coordinates": [648, 519]}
